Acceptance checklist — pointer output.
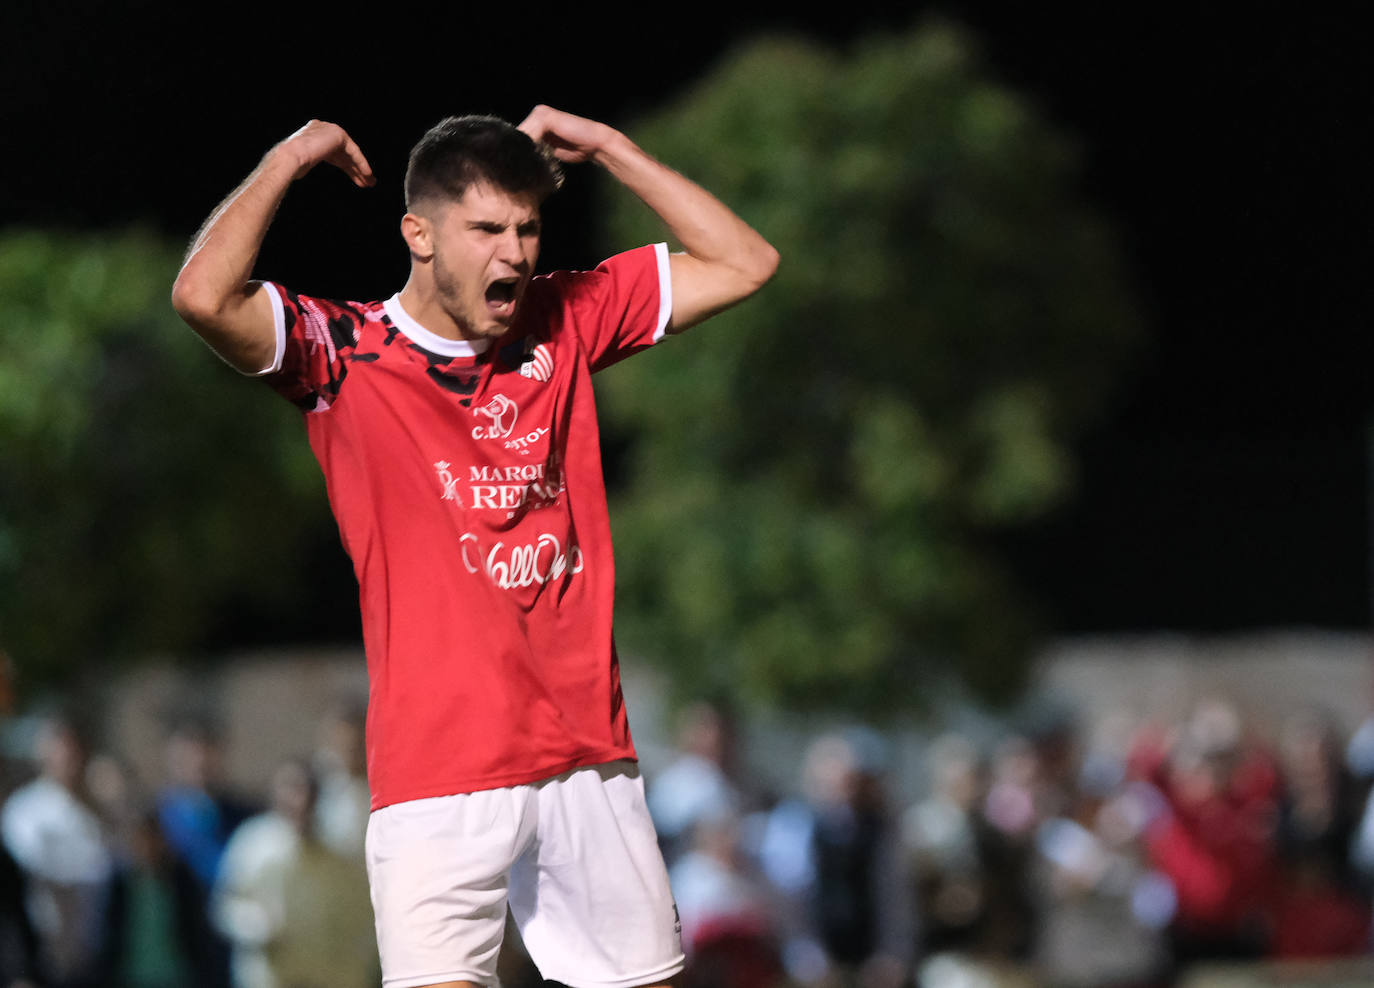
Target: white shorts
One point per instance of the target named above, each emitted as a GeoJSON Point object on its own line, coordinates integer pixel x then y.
{"type": "Point", "coordinates": [576, 858]}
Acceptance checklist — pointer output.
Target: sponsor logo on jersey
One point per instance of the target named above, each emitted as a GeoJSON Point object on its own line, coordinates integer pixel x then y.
{"type": "Point", "coordinates": [510, 487]}
{"type": "Point", "coordinates": [517, 566]}
{"type": "Point", "coordinates": [538, 362]}
{"type": "Point", "coordinates": [449, 481]}
{"type": "Point", "coordinates": [500, 414]}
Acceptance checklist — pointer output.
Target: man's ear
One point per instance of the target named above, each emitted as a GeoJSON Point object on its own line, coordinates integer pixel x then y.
{"type": "Point", "coordinates": [418, 233]}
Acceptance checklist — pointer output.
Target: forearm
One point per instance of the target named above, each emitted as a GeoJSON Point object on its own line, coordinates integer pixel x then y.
{"type": "Point", "coordinates": [221, 257]}
{"type": "Point", "coordinates": [725, 259]}
{"type": "Point", "coordinates": [706, 228]}
{"type": "Point", "coordinates": [214, 292]}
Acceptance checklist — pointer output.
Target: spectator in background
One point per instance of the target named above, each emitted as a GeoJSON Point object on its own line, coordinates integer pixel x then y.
{"type": "Point", "coordinates": [196, 815]}
{"type": "Point", "coordinates": [296, 911]}
{"type": "Point", "coordinates": [1321, 910]}
{"type": "Point", "coordinates": [728, 930]}
{"type": "Point", "coordinates": [837, 856]}
{"type": "Point", "coordinates": [196, 812]}
{"type": "Point", "coordinates": [157, 930]}
{"type": "Point", "coordinates": [697, 784]}
{"type": "Point", "coordinates": [1019, 799]}
{"type": "Point", "coordinates": [52, 833]}
{"type": "Point", "coordinates": [340, 764]}
{"type": "Point", "coordinates": [12, 770]}
{"type": "Point", "coordinates": [18, 945]}
{"type": "Point", "coordinates": [1359, 754]}
{"type": "Point", "coordinates": [946, 842]}
{"type": "Point", "coordinates": [1215, 839]}
{"type": "Point", "coordinates": [113, 794]}
{"type": "Point", "coordinates": [1102, 911]}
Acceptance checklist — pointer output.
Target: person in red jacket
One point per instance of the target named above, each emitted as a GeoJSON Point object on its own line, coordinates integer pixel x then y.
{"type": "Point", "coordinates": [1216, 839]}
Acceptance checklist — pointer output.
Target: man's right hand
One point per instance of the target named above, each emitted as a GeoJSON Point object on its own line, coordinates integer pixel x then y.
{"type": "Point", "coordinates": [321, 141]}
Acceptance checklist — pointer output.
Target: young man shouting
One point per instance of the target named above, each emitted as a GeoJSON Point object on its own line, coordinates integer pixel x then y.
{"type": "Point", "coordinates": [455, 427]}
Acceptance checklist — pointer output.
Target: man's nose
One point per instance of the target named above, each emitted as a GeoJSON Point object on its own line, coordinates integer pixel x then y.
{"type": "Point", "coordinates": [509, 250]}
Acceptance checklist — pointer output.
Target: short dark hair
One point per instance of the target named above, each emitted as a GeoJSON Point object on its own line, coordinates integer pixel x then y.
{"type": "Point", "coordinates": [461, 151]}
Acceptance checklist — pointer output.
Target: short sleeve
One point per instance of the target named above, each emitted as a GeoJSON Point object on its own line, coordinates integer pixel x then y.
{"type": "Point", "coordinates": [621, 307]}
{"type": "Point", "coordinates": [314, 339]}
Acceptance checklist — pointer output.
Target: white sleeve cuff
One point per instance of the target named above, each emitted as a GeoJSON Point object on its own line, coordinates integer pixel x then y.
{"type": "Point", "coordinates": [665, 291]}
{"type": "Point", "coordinates": [279, 327]}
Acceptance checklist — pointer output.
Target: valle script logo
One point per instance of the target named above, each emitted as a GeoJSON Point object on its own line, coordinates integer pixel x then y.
{"type": "Point", "coordinates": [531, 564]}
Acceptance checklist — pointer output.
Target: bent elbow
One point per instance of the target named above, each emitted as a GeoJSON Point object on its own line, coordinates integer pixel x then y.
{"type": "Point", "coordinates": [195, 306]}
{"type": "Point", "coordinates": [758, 269]}
{"type": "Point", "coordinates": [228, 326]}
{"type": "Point", "coordinates": [767, 264]}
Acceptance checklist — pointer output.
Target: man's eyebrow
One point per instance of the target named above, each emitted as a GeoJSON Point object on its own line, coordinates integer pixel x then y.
{"type": "Point", "coordinates": [532, 225]}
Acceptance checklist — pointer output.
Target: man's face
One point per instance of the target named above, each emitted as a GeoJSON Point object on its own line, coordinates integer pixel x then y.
{"type": "Point", "coordinates": [485, 246]}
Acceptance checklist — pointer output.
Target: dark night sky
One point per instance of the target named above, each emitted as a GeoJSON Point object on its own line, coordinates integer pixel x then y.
{"type": "Point", "coordinates": [1227, 486]}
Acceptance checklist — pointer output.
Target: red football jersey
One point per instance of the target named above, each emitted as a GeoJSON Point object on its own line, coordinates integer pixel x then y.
{"type": "Point", "coordinates": [466, 481]}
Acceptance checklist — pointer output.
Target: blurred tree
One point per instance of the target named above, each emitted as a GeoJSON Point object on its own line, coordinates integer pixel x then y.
{"type": "Point", "coordinates": [148, 499]}
{"type": "Point", "coordinates": [808, 519]}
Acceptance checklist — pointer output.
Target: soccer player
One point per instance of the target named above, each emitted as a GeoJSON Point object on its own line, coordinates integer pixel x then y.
{"type": "Point", "coordinates": [455, 428]}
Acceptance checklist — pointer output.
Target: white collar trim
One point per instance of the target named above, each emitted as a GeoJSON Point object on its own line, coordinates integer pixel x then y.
{"type": "Point", "coordinates": [432, 342]}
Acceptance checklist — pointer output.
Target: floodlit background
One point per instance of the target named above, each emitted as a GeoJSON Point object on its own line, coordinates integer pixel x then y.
{"type": "Point", "coordinates": [993, 587]}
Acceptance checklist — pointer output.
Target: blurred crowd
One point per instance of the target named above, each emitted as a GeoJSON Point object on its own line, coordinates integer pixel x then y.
{"type": "Point", "coordinates": [105, 885]}
{"type": "Point", "coordinates": [1113, 852]}
{"type": "Point", "coordinates": [1109, 852]}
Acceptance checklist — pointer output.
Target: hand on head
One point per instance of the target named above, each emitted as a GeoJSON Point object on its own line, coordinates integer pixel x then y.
{"type": "Point", "coordinates": [571, 138]}
{"type": "Point", "coordinates": [322, 141]}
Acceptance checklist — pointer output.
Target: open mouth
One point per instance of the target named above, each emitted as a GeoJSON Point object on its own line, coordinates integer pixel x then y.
{"type": "Point", "coordinates": [501, 296]}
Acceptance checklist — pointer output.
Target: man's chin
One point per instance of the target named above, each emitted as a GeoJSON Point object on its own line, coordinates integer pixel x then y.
{"type": "Point", "coordinates": [486, 330]}
{"type": "Point", "coordinates": [495, 327]}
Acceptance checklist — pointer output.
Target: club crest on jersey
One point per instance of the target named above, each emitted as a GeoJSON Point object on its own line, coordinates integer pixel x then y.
{"type": "Point", "coordinates": [449, 481]}
{"type": "Point", "coordinates": [533, 359]}
{"type": "Point", "coordinates": [500, 414]}
{"type": "Point", "coordinates": [538, 363]}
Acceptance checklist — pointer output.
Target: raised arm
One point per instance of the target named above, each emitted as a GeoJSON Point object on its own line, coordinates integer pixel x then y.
{"type": "Point", "coordinates": [214, 292]}
{"type": "Point", "coordinates": [725, 260]}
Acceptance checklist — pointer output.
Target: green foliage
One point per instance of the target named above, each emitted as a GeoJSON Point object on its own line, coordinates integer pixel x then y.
{"type": "Point", "coordinates": [806, 519]}
{"type": "Point", "coordinates": [146, 490]}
